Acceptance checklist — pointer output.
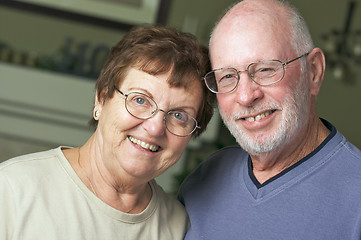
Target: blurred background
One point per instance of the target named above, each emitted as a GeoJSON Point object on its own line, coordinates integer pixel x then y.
{"type": "Point", "coordinates": [51, 53]}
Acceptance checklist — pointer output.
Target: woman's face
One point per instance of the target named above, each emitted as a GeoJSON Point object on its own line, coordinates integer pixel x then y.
{"type": "Point", "coordinates": [136, 148]}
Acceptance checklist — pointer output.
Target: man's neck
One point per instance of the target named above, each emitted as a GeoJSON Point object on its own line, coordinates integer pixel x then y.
{"type": "Point", "coordinates": [268, 165]}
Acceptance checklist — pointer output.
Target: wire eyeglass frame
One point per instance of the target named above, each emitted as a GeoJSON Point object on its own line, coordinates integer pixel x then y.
{"type": "Point", "coordinates": [153, 109]}
{"type": "Point", "coordinates": [210, 79]}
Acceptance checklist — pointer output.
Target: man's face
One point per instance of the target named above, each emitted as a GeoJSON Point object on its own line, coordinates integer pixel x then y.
{"type": "Point", "coordinates": [263, 119]}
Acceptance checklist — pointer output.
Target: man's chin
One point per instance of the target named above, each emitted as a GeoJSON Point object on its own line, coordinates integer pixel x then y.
{"type": "Point", "coordinates": [256, 145]}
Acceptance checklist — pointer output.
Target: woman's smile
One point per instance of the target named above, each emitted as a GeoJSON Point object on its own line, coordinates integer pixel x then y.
{"type": "Point", "coordinates": [144, 145]}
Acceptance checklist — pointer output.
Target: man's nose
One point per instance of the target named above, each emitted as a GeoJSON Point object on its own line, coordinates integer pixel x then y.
{"type": "Point", "coordinates": [247, 90]}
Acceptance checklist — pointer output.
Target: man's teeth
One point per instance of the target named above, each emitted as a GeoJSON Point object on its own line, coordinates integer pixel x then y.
{"type": "Point", "coordinates": [258, 117]}
{"type": "Point", "coordinates": [144, 145]}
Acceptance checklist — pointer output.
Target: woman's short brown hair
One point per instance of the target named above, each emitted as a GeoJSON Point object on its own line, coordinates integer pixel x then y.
{"type": "Point", "coordinates": [158, 50]}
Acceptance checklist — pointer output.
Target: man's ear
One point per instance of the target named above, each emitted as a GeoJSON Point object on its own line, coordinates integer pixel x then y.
{"type": "Point", "coordinates": [316, 65]}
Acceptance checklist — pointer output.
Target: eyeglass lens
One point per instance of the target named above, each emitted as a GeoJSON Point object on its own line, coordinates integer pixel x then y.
{"type": "Point", "coordinates": [263, 73]}
{"type": "Point", "coordinates": [142, 106]}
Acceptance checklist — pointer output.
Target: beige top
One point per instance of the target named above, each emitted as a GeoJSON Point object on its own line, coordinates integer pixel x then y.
{"type": "Point", "coordinates": [41, 197]}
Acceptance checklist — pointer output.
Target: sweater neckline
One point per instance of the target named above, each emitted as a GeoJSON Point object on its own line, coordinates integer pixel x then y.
{"type": "Point", "coordinates": [288, 175]}
{"type": "Point", "coordinates": [99, 204]}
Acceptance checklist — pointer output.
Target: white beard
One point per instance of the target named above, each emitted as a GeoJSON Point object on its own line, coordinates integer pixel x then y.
{"type": "Point", "coordinates": [294, 117]}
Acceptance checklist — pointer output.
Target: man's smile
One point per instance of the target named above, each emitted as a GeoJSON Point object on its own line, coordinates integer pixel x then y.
{"type": "Point", "coordinates": [259, 116]}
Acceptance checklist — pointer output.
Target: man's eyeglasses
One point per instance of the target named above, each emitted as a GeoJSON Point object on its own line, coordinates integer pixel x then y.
{"type": "Point", "coordinates": [177, 122]}
{"type": "Point", "coordinates": [264, 73]}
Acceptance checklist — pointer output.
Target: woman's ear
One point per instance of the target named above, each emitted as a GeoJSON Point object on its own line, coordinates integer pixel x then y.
{"type": "Point", "coordinates": [316, 65]}
{"type": "Point", "coordinates": [98, 104]}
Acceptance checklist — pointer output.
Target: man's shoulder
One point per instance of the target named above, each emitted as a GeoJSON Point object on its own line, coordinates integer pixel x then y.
{"type": "Point", "coordinates": [224, 156]}
{"type": "Point", "coordinates": [353, 150]}
{"type": "Point", "coordinates": [219, 163]}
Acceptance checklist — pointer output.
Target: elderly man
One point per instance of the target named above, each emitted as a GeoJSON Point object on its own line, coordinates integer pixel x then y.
{"type": "Point", "coordinates": [294, 176]}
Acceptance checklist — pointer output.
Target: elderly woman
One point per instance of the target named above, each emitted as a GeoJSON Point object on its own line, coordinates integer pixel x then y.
{"type": "Point", "coordinates": [150, 100]}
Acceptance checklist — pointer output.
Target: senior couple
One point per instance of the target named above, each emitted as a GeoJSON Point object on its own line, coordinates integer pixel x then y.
{"type": "Point", "coordinates": [294, 176]}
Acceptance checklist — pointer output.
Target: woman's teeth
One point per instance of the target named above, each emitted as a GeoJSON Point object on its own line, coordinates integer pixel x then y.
{"type": "Point", "coordinates": [258, 117]}
{"type": "Point", "coordinates": [144, 145]}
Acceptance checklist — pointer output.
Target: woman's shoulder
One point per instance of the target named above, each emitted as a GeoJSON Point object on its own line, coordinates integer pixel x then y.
{"type": "Point", "coordinates": [29, 161]}
{"type": "Point", "coordinates": [167, 201]}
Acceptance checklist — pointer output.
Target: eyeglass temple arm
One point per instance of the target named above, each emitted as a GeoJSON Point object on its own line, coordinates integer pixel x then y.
{"type": "Point", "coordinates": [120, 91]}
{"type": "Point", "coordinates": [284, 64]}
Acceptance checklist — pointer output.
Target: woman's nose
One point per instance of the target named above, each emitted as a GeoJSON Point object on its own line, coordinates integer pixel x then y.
{"type": "Point", "coordinates": [155, 125]}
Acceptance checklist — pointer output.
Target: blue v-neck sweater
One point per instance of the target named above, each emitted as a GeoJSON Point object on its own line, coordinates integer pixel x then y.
{"type": "Point", "coordinates": [317, 198]}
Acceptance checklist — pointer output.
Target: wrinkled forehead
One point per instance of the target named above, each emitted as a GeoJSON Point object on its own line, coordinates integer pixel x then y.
{"type": "Point", "coordinates": [241, 39]}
